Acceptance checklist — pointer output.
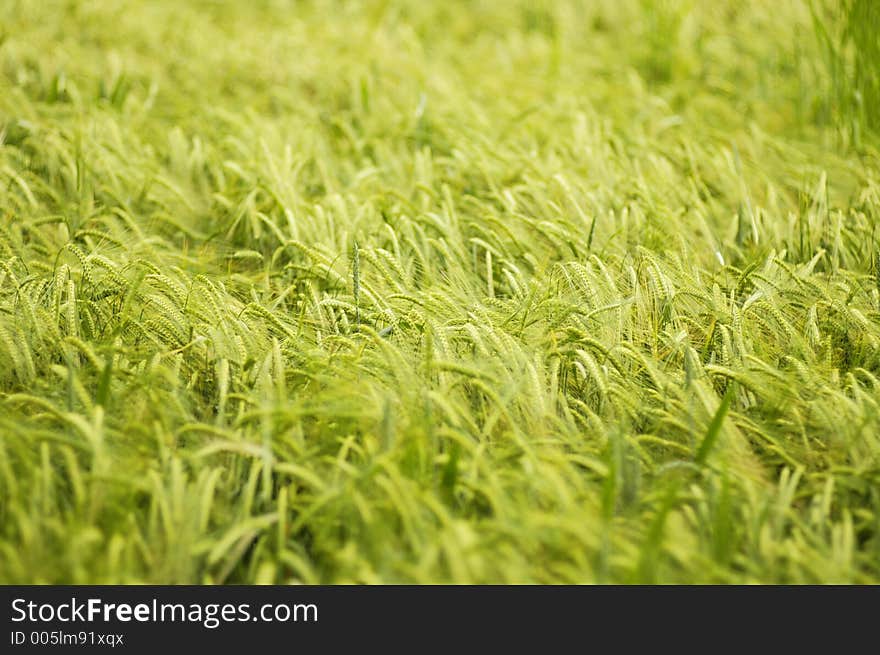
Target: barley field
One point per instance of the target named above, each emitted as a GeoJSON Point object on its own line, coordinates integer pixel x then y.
{"type": "Point", "coordinates": [397, 291]}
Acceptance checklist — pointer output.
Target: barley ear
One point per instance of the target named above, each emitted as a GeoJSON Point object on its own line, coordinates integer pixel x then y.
{"type": "Point", "coordinates": [356, 284]}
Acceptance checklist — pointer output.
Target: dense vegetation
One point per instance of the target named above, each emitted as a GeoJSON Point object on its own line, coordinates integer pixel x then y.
{"type": "Point", "coordinates": [401, 291]}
